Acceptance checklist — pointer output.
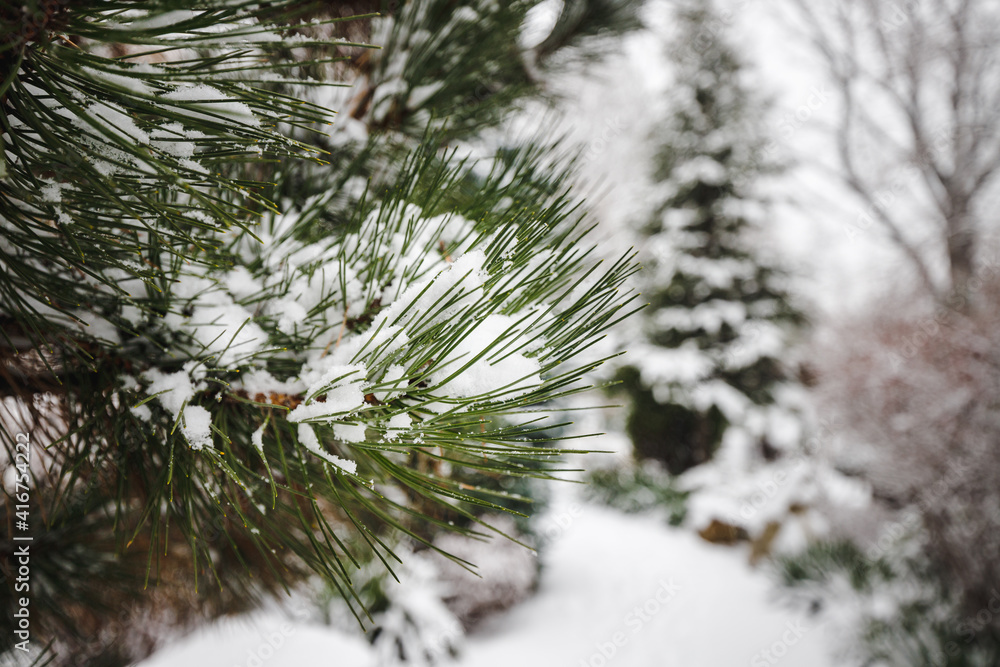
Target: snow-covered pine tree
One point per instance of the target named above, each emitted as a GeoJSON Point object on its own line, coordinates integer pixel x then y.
{"type": "Point", "coordinates": [715, 326]}
{"type": "Point", "coordinates": [243, 350]}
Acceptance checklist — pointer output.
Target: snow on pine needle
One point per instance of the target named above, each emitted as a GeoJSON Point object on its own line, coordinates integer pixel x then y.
{"type": "Point", "coordinates": [139, 136]}
{"type": "Point", "coordinates": [410, 324]}
{"type": "Point", "coordinates": [380, 365]}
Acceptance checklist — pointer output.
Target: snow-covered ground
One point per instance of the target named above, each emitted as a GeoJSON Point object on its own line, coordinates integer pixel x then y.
{"type": "Point", "coordinates": [641, 594]}
{"type": "Point", "coordinates": [614, 590]}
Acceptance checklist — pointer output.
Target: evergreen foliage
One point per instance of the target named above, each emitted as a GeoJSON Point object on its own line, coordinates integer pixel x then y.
{"type": "Point", "coordinates": [894, 601]}
{"type": "Point", "coordinates": [714, 328]}
{"type": "Point", "coordinates": [643, 488]}
{"type": "Point", "coordinates": [580, 20]}
{"type": "Point", "coordinates": [249, 347]}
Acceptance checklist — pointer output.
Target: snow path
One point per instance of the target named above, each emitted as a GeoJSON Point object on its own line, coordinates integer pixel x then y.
{"type": "Point", "coordinates": [698, 605]}
{"type": "Point", "coordinates": [626, 587]}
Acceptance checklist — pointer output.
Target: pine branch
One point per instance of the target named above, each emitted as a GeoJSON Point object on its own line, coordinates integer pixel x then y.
{"type": "Point", "coordinates": [262, 365]}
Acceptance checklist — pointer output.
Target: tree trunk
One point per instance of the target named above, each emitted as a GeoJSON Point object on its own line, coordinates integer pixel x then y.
{"type": "Point", "coordinates": [961, 254]}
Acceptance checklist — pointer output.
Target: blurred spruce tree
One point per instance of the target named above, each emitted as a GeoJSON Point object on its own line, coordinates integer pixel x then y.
{"type": "Point", "coordinates": [716, 322]}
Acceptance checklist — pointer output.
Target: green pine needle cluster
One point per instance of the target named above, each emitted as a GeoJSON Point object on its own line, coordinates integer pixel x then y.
{"type": "Point", "coordinates": [143, 137]}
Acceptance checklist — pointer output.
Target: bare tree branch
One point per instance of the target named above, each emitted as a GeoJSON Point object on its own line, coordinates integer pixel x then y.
{"type": "Point", "coordinates": [931, 69]}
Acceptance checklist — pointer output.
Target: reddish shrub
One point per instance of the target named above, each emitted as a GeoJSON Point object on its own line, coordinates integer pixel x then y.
{"type": "Point", "coordinates": [918, 392]}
